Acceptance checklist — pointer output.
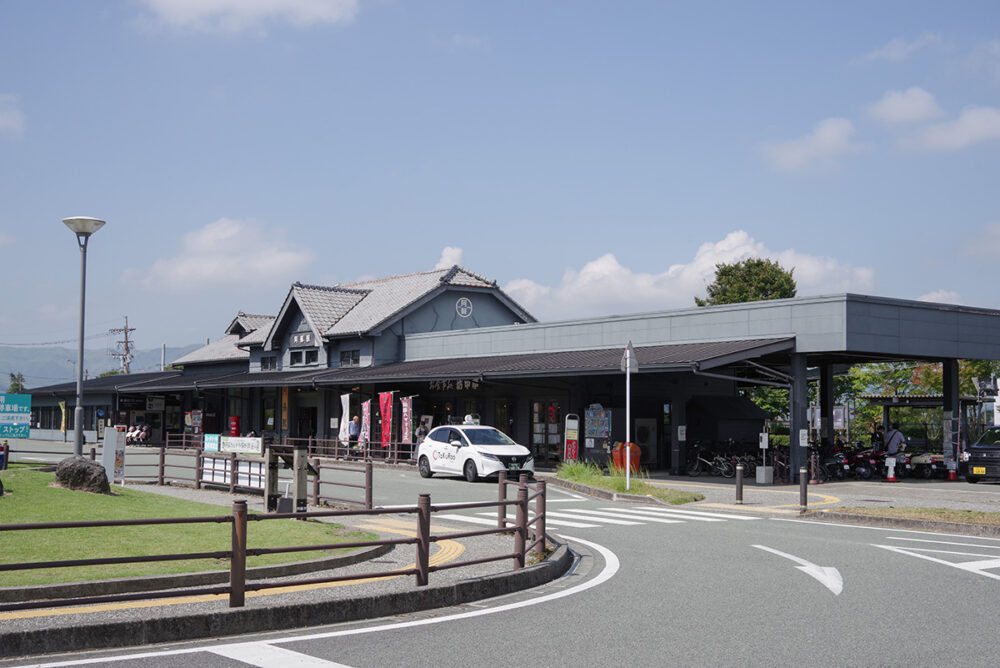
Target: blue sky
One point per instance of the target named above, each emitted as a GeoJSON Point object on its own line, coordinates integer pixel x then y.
{"type": "Point", "coordinates": [592, 157]}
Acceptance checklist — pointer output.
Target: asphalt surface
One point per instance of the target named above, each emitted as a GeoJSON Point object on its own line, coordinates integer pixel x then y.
{"type": "Point", "coordinates": [137, 625]}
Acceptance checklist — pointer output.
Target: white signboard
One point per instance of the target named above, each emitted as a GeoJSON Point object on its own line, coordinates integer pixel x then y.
{"type": "Point", "coordinates": [804, 438]}
{"type": "Point", "coordinates": [247, 444]}
{"type": "Point", "coordinates": [113, 454]}
{"type": "Point", "coordinates": [682, 432]}
{"type": "Point", "coordinates": [763, 440]}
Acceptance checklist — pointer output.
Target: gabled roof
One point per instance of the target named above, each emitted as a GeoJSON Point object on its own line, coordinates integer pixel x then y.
{"type": "Point", "coordinates": [321, 306]}
{"type": "Point", "coordinates": [368, 306]}
{"type": "Point", "coordinates": [247, 323]}
{"type": "Point", "coordinates": [388, 298]}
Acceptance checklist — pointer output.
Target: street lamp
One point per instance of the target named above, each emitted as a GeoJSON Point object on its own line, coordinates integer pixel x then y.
{"type": "Point", "coordinates": [83, 227]}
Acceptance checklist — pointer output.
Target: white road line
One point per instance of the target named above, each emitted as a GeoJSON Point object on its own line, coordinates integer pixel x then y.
{"type": "Point", "coordinates": [969, 566]}
{"type": "Point", "coordinates": [645, 518]}
{"type": "Point", "coordinates": [859, 526]}
{"type": "Point", "coordinates": [827, 575]}
{"type": "Point", "coordinates": [576, 514]}
{"type": "Point", "coordinates": [269, 656]}
{"type": "Point", "coordinates": [477, 520]}
{"type": "Point", "coordinates": [696, 512]}
{"type": "Point", "coordinates": [611, 566]}
{"type": "Point", "coordinates": [660, 513]}
{"type": "Point", "coordinates": [944, 542]}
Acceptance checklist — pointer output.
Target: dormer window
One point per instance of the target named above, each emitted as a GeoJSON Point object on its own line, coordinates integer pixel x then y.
{"type": "Point", "coordinates": [350, 358]}
{"type": "Point", "coordinates": [312, 356]}
{"type": "Point", "coordinates": [268, 363]}
{"type": "Point", "coordinates": [296, 358]}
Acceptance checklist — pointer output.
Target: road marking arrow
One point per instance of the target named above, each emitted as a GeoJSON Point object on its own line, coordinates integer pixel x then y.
{"type": "Point", "coordinates": [827, 575]}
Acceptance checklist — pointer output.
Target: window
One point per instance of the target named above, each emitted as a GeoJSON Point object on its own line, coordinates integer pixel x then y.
{"type": "Point", "coordinates": [269, 363]}
{"type": "Point", "coordinates": [296, 357]}
{"type": "Point", "coordinates": [350, 358]}
{"type": "Point", "coordinates": [312, 356]}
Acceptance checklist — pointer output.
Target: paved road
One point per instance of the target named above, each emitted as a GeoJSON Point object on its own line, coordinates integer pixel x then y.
{"type": "Point", "coordinates": [655, 586]}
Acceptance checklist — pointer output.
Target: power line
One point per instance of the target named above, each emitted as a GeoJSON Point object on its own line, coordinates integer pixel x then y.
{"type": "Point", "coordinates": [53, 343]}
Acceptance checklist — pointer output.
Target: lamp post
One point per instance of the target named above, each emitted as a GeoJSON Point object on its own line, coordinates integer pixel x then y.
{"type": "Point", "coordinates": [83, 227]}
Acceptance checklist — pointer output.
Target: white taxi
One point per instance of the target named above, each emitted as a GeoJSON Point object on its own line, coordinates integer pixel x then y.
{"type": "Point", "coordinates": [473, 451]}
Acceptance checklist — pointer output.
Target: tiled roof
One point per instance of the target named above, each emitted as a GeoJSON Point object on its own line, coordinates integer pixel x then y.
{"type": "Point", "coordinates": [388, 296]}
{"type": "Point", "coordinates": [250, 322]}
{"type": "Point", "coordinates": [223, 350]}
{"type": "Point", "coordinates": [325, 306]}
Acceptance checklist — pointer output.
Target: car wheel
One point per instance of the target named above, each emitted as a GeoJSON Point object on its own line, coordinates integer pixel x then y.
{"type": "Point", "coordinates": [470, 471]}
{"type": "Point", "coordinates": [424, 467]}
{"type": "Point", "coordinates": [971, 479]}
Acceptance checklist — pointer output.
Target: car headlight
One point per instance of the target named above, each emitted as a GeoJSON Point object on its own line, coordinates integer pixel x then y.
{"type": "Point", "coordinates": [530, 460]}
{"type": "Point", "coordinates": [964, 456]}
{"type": "Point", "coordinates": [486, 455]}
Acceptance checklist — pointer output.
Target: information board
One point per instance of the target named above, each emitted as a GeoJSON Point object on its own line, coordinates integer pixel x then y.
{"type": "Point", "coordinates": [15, 415]}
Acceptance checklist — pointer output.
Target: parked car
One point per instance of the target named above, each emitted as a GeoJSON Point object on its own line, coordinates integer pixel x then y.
{"type": "Point", "coordinates": [473, 451]}
{"type": "Point", "coordinates": [981, 460]}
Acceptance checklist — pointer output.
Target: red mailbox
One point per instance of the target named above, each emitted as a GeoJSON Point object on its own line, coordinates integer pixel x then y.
{"type": "Point", "coordinates": [234, 425]}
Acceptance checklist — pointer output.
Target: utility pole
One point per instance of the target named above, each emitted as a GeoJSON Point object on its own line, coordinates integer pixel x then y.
{"type": "Point", "coordinates": [125, 346]}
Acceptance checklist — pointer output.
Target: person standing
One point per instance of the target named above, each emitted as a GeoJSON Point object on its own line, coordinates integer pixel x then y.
{"type": "Point", "coordinates": [353, 431]}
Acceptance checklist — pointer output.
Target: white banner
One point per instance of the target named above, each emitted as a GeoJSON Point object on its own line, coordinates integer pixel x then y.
{"type": "Point", "coordinates": [345, 418]}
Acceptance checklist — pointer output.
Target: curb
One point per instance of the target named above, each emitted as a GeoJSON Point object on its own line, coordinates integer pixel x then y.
{"type": "Point", "coordinates": [234, 621]}
{"type": "Point", "coordinates": [605, 494]}
{"type": "Point", "coordinates": [160, 582]}
{"type": "Point", "coordinates": [984, 530]}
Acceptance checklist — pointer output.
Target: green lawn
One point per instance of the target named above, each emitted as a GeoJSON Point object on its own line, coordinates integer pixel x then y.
{"type": "Point", "coordinates": [593, 476]}
{"type": "Point", "coordinates": [32, 497]}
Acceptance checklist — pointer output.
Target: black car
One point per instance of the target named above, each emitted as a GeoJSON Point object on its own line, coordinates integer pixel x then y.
{"type": "Point", "coordinates": [981, 460]}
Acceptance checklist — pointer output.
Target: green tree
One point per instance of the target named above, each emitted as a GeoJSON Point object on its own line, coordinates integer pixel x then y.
{"type": "Point", "coordinates": [750, 280]}
{"type": "Point", "coordinates": [16, 383]}
{"type": "Point", "coordinates": [754, 279]}
{"type": "Point", "coordinates": [113, 372]}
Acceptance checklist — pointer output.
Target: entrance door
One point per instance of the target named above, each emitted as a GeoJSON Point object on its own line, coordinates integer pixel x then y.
{"type": "Point", "coordinates": [305, 421]}
{"type": "Point", "coordinates": [645, 438]}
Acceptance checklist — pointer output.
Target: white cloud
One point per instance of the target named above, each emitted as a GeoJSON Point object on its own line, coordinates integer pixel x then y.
{"type": "Point", "coordinates": [985, 243]}
{"type": "Point", "coordinates": [941, 297]}
{"type": "Point", "coordinates": [973, 126]}
{"type": "Point", "coordinates": [899, 49]}
{"type": "Point", "coordinates": [605, 287]}
{"type": "Point", "coordinates": [987, 56]}
{"type": "Point", "coordinates": [905, 106]}
{"type": "Point", "coordinates": [830, 138]}
{"type": "Point", "coordinates": [241, 15]}
{"type": "Point", "coordinates": [449, 256]}
{"type": "Point", "coordinates": [11, 117]}
{"type": "Point", "coordinates": [226, 252]}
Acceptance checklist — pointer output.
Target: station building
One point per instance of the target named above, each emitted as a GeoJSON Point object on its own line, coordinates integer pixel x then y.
{"type": "Point", "coordinates": [457, 345]}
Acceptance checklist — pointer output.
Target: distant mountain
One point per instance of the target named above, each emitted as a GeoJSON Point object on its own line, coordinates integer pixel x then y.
{"type": "Point", "coordinates": [51, 365]}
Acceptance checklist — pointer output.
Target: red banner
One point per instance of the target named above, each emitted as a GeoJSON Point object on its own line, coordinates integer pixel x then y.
{"type": "Point", "coordinates": [385, 404]}
{"type": "Point", "coordinates": [406, 436]}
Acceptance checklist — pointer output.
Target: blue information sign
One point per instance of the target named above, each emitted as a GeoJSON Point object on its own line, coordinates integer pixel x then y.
{"type": "Point", "coordinates": [15, 415]}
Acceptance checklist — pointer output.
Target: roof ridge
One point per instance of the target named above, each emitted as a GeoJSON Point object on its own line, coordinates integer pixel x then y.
{"type": "Point", "coordinates": [330, 288]}
{"type": "Point", "coordinates": [455, 269]}
{"type": "Point", "coordinates": [383, 279]}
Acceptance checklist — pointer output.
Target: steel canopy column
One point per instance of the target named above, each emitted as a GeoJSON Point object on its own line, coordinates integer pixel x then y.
{"type": "Point", "coordinates": [826, 405]}
{"type": "Point", "coordinates": [949, 378]}
{"type": "Point", "coordinates": [798, 402]}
